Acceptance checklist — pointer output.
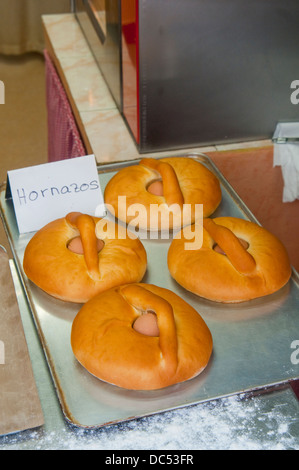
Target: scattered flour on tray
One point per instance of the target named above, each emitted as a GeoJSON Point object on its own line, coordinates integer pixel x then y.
{"type": "Point", "coordinates": [232, 423]}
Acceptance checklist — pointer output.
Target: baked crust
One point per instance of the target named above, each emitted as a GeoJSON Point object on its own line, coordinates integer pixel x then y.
{"type": "Point", "coordinates": [239, 274]}
{"type": "Point", "coordinates": [185, 182]}
{"type": "Point", "coordinates": [105, 343]}
{"type": "Point", "coordinates": [72, 277]}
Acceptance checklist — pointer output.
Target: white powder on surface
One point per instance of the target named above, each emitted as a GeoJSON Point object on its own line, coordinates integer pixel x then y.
{"type": "Point", "coordinates": [229, 424]}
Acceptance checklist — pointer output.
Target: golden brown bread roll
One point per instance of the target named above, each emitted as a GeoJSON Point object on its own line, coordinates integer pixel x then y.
{"type": "Point", "coordinates": [172, 184]}
{"type": "Point", "coordinates": [105, 342]}
{"type": "Point", "coordinates": [76, 277]}
{"type": "Point", "coordinates": [238, 261]}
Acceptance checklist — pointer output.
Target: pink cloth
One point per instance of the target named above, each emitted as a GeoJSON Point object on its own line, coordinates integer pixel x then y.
{"type": "Point", "coordinates": [64, 140]}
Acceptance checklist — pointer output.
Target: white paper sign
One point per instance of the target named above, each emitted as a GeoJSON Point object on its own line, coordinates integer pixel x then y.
{"type": "Point", "coordinates": [46, 192]}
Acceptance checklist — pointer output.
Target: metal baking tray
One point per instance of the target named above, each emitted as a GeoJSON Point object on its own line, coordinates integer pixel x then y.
{"type": "Point", "coordinates": [252, 340]}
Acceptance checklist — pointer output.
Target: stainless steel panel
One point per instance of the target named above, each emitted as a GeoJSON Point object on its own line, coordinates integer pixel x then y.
{"type": "Point", "coordinates": [208, 71]}
{"type": "Point", "coordinates": [104, 41]}
{"type": "Point", "coordinates": [215, 71]}
{"type": "Point", "coordinates": [252, 341]}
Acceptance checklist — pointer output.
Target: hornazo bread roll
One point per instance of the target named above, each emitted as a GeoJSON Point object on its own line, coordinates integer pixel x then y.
{"type": "Point", "coordinates": [174, 185]}
{"type": "Point", "coordinates": [238, 261]}
{"type": "Point", "coordinates": [72, 259]}
{"type": "Point", "coordinates": [114, 337]}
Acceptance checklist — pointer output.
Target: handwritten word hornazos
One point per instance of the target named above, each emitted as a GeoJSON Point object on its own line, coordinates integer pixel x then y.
{"type": "Point", "coordinates": [25, 196]}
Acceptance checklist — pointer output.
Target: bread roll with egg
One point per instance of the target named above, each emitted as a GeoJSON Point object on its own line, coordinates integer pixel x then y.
{"type": "Point", "coordinates": [76, 257]}
{"type": "Point", "coordinates": [238, 261]}
{"type": "Point", "coordinates": [141, 337]}
{"type": "Point", "coordinates": [174, 185]}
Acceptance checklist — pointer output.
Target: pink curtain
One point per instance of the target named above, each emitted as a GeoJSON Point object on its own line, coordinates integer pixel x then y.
{"type": "Point", "coordinates": [64, 140]}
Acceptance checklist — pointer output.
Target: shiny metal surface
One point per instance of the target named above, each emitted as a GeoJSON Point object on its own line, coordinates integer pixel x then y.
{"type": "Point", "coordinates": [104, 41]}
{"type": "Point", "coordinates": [215, 71]}
{"type": "Point", "coordinates": [252, 341]}
{"type": "Point", "coordinates": [267, 420]}
{"type": "Point", "coordinates": [207, 72]}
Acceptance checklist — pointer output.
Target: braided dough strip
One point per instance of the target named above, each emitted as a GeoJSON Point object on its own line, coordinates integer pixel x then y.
{"type": "Point", "coordinates": [230, 244]}
{"type": "Point", "coordinates": [171, 188]}
{"type": "Point", "coordinates": [142, 299]}
{"type": "Point", "coordinates": [86, 226]}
